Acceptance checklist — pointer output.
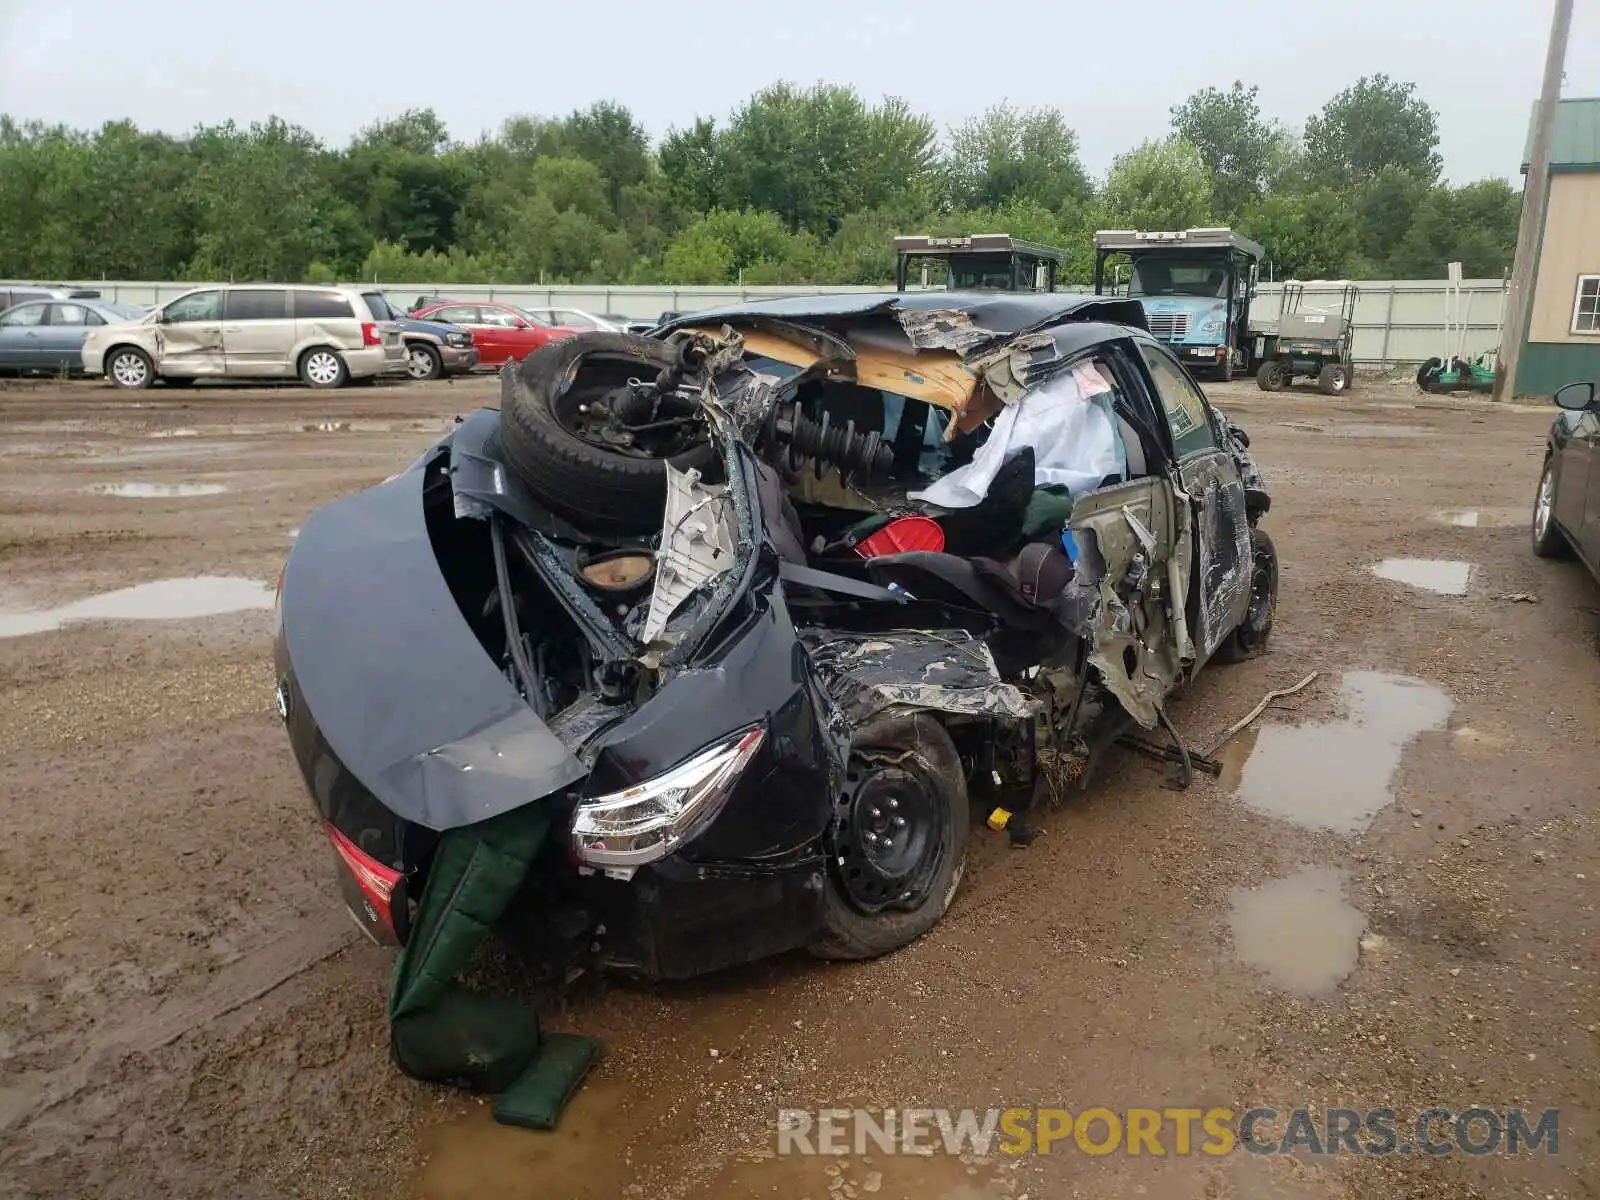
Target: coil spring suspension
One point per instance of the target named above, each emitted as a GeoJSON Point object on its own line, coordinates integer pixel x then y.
{"type": "Point", "coordinates": [830, 446]}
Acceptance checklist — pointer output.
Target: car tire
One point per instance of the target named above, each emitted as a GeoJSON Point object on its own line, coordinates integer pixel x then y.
{"type": "Point", "coordinates": [1249, 637]}
{"type": "Point", "coordinates": [1426, 371]}
{"type": "Point", "coordinates": [1272, 377]}
{"type": "Point", "coordinates": [606, 490]}
{"type": "Point", "coordinates": [899, 756]}
{"type": "Point", "coordinates": [1225, 372]}
{"type": "Point", "coordinates": [129, 368]}
{"type": "Point", "coordinates": [323, 367]}
{"type": "Point", "coordinates": [423, 361]}
{"type": "Point", "coordinates": [1333, 379]}
{"type": "Point", "coordinates": [1548, 541]}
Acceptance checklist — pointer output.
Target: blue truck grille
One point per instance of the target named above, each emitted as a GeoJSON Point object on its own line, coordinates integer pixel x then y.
{"type": "Point", "coordinates": [1169, 327]}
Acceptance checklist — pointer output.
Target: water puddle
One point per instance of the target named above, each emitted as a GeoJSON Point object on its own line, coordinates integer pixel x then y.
{"type": "Point", "coordinates": [163, 600]}
{"type": "Point", "coordinates": [1336, 775]}
{"type": "Point", "coordinates": [1445, 576]}
{"type": "Point", "coordinates": [1482, 518]}
{"type": "Point", "coordinates": [1299, 931]}
{"type": "Point", "coordinates": [327, 427]}
{"type": "Point", "coordinates": [156, 491]}
{"type": "Point", "coordinates": [590, 1156]}
{"type": "Point", "coordinates": [175, 433]}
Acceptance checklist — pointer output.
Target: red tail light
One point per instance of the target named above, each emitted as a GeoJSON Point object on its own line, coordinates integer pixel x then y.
{"type": "Point", "coordinates": [375, 883]}
{"type": "Point", "coordinates": [370, 335]}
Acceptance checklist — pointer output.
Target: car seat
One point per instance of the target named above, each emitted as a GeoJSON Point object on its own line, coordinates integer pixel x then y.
{"type": "Point", "coordinates": [993, 526]}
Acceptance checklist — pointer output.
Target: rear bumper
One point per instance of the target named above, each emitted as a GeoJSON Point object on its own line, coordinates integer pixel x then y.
{"type": "Point", "coordinates": [376, 360]}
{"type": "Point", "coordinates": [457, 360]}
{"type": "Point", "coordinates": [677, 919]}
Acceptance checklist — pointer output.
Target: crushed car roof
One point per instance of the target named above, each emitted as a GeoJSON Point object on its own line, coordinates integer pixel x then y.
{"type": "Point", "coordinates": [1003, 313]}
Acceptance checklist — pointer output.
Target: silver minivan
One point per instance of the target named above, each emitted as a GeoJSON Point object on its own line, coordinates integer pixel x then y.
{"type": "Point", "coordinates": [323, 335]}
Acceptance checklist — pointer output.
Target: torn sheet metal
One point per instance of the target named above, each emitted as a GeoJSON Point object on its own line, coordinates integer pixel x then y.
{"type": "Point", "coordinates": [944, 329]}
{"type": "Point", "coordinates": [578, 726]}
{"type": "Point", "coordinates": [698, 535]}
{"type": "Point", "coordinates": [1022, 363]}
{"type": "Point", "coordinates": [1128, 553]}
{"type": "Point", "coordinates": [907, 670]}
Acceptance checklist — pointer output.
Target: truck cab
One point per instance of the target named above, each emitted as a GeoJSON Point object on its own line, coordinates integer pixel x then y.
{"type": "Point", "coordinates": [1195, 286]}
{"type": "Point", "coordinates": [977, 262]}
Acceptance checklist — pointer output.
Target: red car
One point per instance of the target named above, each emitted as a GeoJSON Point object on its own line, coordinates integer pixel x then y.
{"type": "Point", "coordinates": [501, 332]}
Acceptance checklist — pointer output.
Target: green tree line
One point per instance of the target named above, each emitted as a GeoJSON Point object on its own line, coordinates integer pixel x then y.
{"type": "Point", "coordinates": [797, 185]}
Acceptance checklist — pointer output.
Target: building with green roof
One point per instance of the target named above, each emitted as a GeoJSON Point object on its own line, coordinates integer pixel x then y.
{"type": "Point", "coordinates": [1561, 343]}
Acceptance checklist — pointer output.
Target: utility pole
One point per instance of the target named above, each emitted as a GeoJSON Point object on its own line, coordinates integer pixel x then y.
{"type": "Point", "coordinates": [1533, 201]}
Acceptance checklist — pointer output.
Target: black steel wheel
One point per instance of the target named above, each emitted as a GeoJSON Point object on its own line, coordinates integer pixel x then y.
{"type": "Point", "coordinates": [1272, 376]}
{"type": "Point", "coordinates": [897, 843]}
{"type": "Point", "coordinates": [1250, 637]}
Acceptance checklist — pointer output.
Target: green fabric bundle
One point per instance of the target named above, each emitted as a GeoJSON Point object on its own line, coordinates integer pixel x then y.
{"type": "Point", "coordinates": [443, 1033]}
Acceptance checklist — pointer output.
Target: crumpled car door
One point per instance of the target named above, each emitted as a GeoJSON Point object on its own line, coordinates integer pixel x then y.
{"type": "Point", "coordinates": [189, 340]}
{"type": "Point", "coordinates": [1223, 541]}
{"type": "Point", "coordinates": [1211, 480]}
{"type": "Point", "coordinates": [1134, 543]}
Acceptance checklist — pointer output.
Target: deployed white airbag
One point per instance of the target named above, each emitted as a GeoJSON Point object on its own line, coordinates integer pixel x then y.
{"type": "Point", "coordinates": [1068, 420]}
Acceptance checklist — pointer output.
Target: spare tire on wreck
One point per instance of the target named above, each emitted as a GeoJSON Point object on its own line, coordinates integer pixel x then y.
{"type": "Point", "coordinates": [542, 402]}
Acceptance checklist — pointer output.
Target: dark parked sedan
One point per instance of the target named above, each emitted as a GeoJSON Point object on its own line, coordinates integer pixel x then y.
{"type": "Point", "coordinates": [47, 335]}
{"type": "Point", "coordinates": [1566, 512]}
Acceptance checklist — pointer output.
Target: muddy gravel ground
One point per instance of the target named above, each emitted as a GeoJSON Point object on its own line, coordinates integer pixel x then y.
{"type": "Point", "coordinates": [1386, 900]}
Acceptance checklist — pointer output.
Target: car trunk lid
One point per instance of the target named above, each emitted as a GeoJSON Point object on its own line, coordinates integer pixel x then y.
{"type": "Point", "coordinates": [396, 680]}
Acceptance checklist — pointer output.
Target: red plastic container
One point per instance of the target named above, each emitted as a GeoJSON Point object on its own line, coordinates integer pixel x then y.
{"type": "Point", "coordinates": [902, 535]}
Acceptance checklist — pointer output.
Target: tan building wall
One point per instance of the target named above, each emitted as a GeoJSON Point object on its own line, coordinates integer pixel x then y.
{"type": "Point", "coordinates": [1571, 248]}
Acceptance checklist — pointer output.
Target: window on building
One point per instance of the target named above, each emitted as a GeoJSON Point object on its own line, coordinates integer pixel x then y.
{"type": "Point", "coordinates": [1586, 308]}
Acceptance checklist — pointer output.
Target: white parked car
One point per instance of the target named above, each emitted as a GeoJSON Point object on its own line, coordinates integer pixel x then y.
{"type": "Point", "coordinates": [571, 318]}
{"type": "Point", "coordinates": [325, 336]}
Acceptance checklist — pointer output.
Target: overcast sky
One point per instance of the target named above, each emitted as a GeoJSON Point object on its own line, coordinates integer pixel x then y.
{"type": "Point", "coordinates": [1114, 69]}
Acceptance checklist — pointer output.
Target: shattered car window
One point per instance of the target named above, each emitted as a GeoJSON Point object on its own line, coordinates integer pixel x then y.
{"type": "Point", "coordinates": [1185, 407]}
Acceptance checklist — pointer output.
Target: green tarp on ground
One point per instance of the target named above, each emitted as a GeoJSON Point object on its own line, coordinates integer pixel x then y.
{"type": "Point", "coordinates": [444, 1033]}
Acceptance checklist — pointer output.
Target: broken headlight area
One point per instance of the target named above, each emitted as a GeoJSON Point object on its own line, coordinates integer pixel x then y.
{"type": "Point", "coordinates": [622, 830]}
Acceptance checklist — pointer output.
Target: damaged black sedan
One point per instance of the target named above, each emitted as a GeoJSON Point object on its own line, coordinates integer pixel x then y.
{"type": "Point", "coordinates": [754, 611]}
